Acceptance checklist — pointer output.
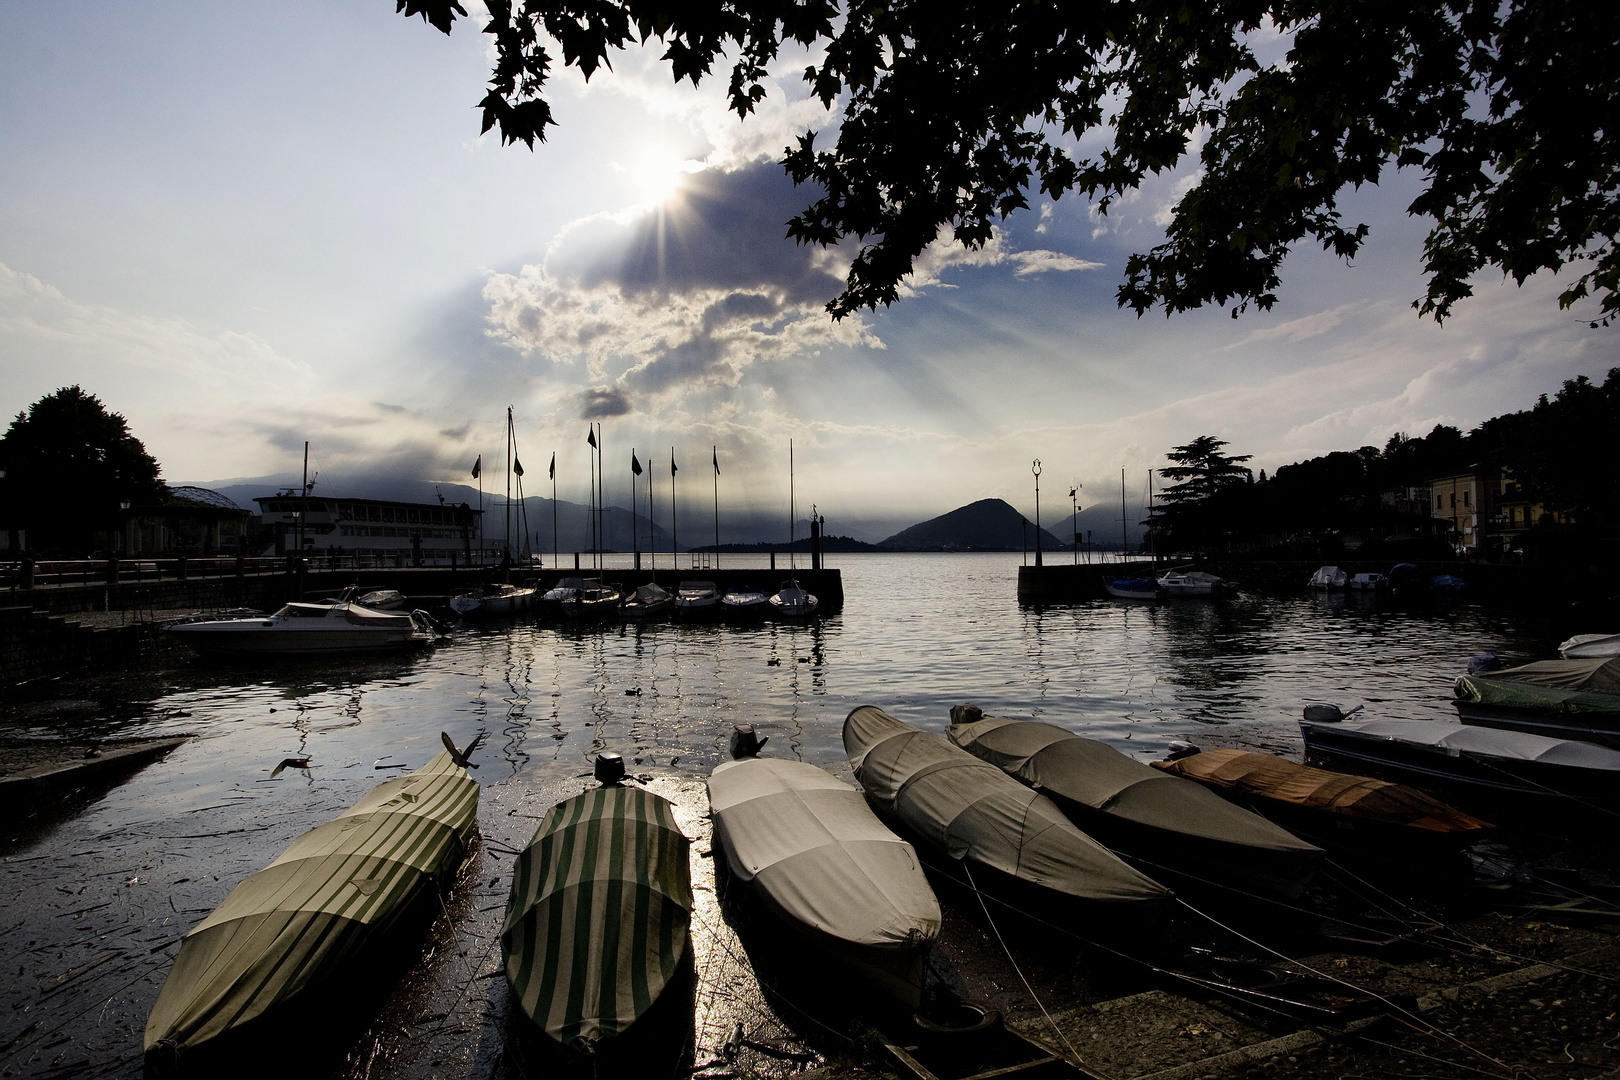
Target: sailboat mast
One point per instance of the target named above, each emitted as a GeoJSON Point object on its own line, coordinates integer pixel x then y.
{"type": "Point", "coordinates": [1153, 539]}
{"type": "Point", "coordinates": [1124, 529]}
{"type": "Point", "coordinates": [506, 537]}
{"type": "Point", "coordinates": [791, 523]}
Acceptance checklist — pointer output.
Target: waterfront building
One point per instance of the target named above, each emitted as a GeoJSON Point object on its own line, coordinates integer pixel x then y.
{"type": "Point", "coordinates": [371, 531]}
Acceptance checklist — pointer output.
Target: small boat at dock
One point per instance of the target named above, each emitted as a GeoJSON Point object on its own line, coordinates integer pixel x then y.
{"type": "Point", "coordinates": [565, 589]}
{"type": "Point", "coordinates": [1134, 589]}
{"type": "Point", "coordinates": [792, 602]}
{"type": "Point", "coordinates": [333, 628]}
{"type": "Point", "coordinates": [967, 810]}
{"type": "Point", "coordinates": [593, 601]}
{"type": "Point", "coordinates": [1568, 699]}
{"type": "Point", "coordinates": [1590, 646]}
{"type": "Point", "coordinates": [310, 933]}
{"type": "Point", "coordinates": [1190, 583]}
{"type": "Point", "coordinates": [745, 602]}
{"type": "Point", "coordinates": [1154, 820]}
{"type": "Point", "coordinates": [597, 932]}
{"type": "Point", "coordinates": [817, 858]}
{"type": "Point", "coordinates": [1328, 577]}
{"type": "Point", "coordinates": [695, 599]}
{"type": "Point", "coordinates": [650, 601]}
{"type": "Point", "coordinates": [494, 600]}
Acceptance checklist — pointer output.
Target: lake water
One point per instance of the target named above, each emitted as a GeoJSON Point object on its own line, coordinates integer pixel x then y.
{"type": "Point", "coordinates": [918, 633]}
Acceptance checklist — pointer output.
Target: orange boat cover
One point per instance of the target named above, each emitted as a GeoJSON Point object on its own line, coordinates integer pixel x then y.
{"type": "Point", "coordinates": [1271, 777]}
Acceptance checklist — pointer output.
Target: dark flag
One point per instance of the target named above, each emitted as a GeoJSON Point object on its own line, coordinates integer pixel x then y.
{"type": "Point", "coordinates": [517, 467]}
{"type": "Point", "coordinates": [672, 465]}
{"type": "Point", "coordinates": [591, 438]}
{"type": "Point", "coordinates": [717, 461]}
{"type": "Point", "coordinates": [478, 466]}
{"type": "Point", "coordinates": [635, 466]}
{"type": "Point", "coordinates": [554, 464]}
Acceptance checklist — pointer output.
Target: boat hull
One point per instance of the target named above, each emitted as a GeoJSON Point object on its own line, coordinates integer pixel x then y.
{"type": "Point", "coordinates": [258, 637]}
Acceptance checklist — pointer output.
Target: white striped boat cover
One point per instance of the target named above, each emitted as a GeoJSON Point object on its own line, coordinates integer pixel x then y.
{"type": "Point", "coordinates": [600, 914]}
{"type": "Point", "coordinates": [297, 922]}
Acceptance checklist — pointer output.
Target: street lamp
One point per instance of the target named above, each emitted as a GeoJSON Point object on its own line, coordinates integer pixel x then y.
{"type": "Point", "coordinates": [1074, 519]}
{"type": "Point", "coordinates": [1036, 469]}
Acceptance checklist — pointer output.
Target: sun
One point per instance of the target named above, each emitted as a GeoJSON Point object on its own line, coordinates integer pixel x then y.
{"type": "Point", "coordinates": [657, 173]}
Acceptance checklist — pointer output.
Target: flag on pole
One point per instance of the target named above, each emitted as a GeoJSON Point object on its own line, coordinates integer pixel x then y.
{"type": "Point", "coordinates": [554, 464]}
{"type": "Point", "coordinates": [517, 466]}
{"type": "Point", "coordinates": [672, 465]}
{"type": "Point", "coordinates": [478, 466]}
{"type": "Point", "coordinates": [717, 461]}
{"type": "Point", "coordinates": [591, 438]}
{"type": "Point", "coordinates": [635, 466]}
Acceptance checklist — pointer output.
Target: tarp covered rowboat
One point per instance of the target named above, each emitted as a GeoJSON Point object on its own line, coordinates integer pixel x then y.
{"type": "Point", "coordinates": [311, 921]}
{"type": "Point", "coordinates": [817, 857]}
{"type": "Point", "coordinates": [971, 810]}
{"type": "Point", "coordinates": [598, 923]}
{"type": "Point", "coordinates": [1140, 812]}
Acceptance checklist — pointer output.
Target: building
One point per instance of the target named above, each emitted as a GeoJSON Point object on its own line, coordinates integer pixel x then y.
{"type": "Point", "coordinates": [371, 531]}
{"type": "Point", "coordinates": [1462, 503]}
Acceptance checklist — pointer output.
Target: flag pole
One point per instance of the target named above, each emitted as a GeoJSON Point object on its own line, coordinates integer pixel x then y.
{"type": "Point", "coordinates": [555, 564]}
{"type": "Point", "coordinates": [635, 535]}
{"type": "Point", "coordinates": [674, 504]}
{"type": "Point", "coordinates": [716, 459]}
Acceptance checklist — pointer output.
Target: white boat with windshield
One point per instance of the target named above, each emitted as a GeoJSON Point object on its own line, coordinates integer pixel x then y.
{"type": "Point", "coordinates": [306, 629]}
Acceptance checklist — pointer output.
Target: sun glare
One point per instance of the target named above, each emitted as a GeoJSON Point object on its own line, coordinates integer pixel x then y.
{"type": "Point", "coordinates": [658, 171]}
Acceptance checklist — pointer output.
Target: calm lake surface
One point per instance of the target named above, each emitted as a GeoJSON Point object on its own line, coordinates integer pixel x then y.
{"type": "Point", "coordinates": [126, 875]}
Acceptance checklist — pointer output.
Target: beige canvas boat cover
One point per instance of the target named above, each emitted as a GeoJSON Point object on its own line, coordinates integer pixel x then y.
{"type": "Point", "coordinates": [1059, 762]}
{"type": "Point", "coordinates": [972, 810]}
{"type": "Point", "coordinates": [297, 922]}
{"type": "Point", "coordinates": [600, 913]}
{"type": "Point", "coordinates": [818, 854]}
{"type": "Point", "coordinates": [1271, 777]}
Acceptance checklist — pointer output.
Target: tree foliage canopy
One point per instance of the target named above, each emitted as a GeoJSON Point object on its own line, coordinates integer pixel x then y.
{"type": "Point", "coordinates": [68, 466]}
{"type": "Point", "coordinates": [953, 110]}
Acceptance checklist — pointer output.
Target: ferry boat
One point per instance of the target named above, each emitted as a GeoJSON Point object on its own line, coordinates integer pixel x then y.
{"type": "Point", "coordinates": [377, 532]}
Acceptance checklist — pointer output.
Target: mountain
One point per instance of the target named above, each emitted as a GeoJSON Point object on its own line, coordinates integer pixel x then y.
{"type": "Point", "coordinates": [987, 525]}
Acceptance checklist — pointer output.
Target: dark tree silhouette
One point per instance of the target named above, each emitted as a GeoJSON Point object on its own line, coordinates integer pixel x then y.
{"type": "Point", "coordinates": [69, 466]}
{"type": "Point", "coordinates": [954, 110]}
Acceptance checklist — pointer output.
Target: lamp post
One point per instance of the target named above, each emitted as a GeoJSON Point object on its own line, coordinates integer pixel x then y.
{"type": "Point", "coordinates": [1036, 469]}
{"type": "Point", "coordinates": [1074, 519]}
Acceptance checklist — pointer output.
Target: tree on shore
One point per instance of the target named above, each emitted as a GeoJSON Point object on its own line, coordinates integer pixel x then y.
{"type": "Point", "coordinates": [68, 467]}
{"type": "Point", "coordinates": [953, 111]}
{"type": "Point", "coordinates": [1197, 511]}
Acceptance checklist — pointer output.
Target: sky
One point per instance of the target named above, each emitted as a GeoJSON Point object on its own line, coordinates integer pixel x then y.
{"type": "Point", "coordinates": [248, 226]}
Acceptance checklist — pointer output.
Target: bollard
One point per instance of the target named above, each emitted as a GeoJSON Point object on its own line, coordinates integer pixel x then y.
{"type": "Point", "coordinates": [112, 569]}
{"type": "Point", "coordinates": [773, 560]}
{"type": "Point", "coordinates": [576, 560]}
{"type": "Point", "coordinates": [241, 565]}
{"type": "Point", "coordinates": [180, 568]}
{"type": "Point", "coordinates": [28, 573]}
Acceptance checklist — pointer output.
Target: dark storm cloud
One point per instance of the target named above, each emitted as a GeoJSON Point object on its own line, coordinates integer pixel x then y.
{"type": "Point", "coordinates": [601, 401]}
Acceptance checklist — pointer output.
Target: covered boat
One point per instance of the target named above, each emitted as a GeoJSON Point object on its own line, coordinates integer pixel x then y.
{"type": "Point", "coordinates": [1133, 589]}
{"type": "Point", "coordinates": [1332, 809]}
{"type": "Point", "coordinates": [1491, 766]}
{"type": "Point", "coordinates": [598, 923]}
{"type": "Point", "coordinates": [695, 598]}
{"type": "Point", "coordinates": [1155, 820]}
{"type": "Point", "coordinates": [650, 601]}
{"type": "Point", "coordinates": [333, 628]}
{"type": "Point", "coordinates": [1590, 646]}
{"type": "Point", "coordinates": [310, 930]}
{"type": "Point", "coordinates": [970, 810]}
{"type": "Point", "coordinates": [745, 602]}
{"type": "Point", "coordinates": [812, 851]}
{"type": "Point", "coordinates": [594, 600]}
{"type": "Point", "coordinates": [1368, 582]}
{"type": "Point", "coordinates": [1328, 577]}
{"type": "Point", "coordinates": [565, 589]}
{"type": "Point", "coordinates": [1564, 698]}
{"type": "Point", "coordinates": [494, 600]}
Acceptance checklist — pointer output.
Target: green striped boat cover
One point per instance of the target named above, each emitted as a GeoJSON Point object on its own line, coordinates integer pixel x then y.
{"type": "Point", "coordinates": [600, 914]}
{"type": "Point", "coordinates": [297, 922]}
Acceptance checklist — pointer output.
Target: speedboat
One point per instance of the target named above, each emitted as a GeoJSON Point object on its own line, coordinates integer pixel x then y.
{"type": "Point", "coordinates": [650, 601]}
{"type": "Point", "coordinates": [1491, 766]}
{"type": "Point", "coordinates": [1134, 589]}
{"type": "Point", "coordinates": [493, 600]}
{"type": "Point", "coordinates": [745, 602]}
{"type": "Point", "coordinates": [1328, 577]}
{"type": "Point", "coordinates": [807, 846]}
{"type": "Point", "coordinates": [1590, 646]}
{"type": "Point", "coordinates": [1152, 819]}
{"type": "Point", "coordinates": [1190, 583]}
{"type": "Point", "coordinates": [695, 598]}
{"type": "Point", "coordinates": [303, 629]}
{"type": "Point", "coordinates": [792, 602]}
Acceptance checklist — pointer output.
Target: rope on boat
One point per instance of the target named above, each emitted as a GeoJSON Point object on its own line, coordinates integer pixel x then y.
{"type": "Point", "coordinates": [1078, 1057]}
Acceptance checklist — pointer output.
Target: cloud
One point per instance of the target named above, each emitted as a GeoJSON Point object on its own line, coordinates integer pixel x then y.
{"type": "Point", "coordinates": [1300, 329]}
{"type": "Point", "coordinates": [603, 401]}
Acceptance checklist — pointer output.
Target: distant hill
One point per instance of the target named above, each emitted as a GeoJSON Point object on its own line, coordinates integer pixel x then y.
{"type": "Point", "coordinates": [987, 525]}
{"type": "Point", "coordinates": [828, 544]}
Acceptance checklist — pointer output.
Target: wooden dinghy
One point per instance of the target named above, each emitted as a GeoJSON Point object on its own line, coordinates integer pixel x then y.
{"type": "Point", "coordinates": [1336, 810]}
{"type": "Point", "coordinates": [821, 862]}
{"type": "Point", "coordinates": [970, 810]}
{"type": "Point", "coordinates": [1157, 821]}
{"type": "Point", "coordinates": [310, 930]}
{"type": "Point", "coordinates": [598, 925]}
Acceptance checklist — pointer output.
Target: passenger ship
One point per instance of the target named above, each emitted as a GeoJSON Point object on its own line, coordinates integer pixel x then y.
{"type": "Point", "coordinates": [376, 530]}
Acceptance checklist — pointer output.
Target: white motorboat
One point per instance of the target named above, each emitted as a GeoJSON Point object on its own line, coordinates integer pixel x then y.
{"type": "Point", "coordinates": [1368, 582]}
{"type": "Point", "coordinates": [1590, 646]}
{"type": "Point", "coordinates": [1190, 583]}
{"type": "Point", "coordinates": [792, 602]}
{"type": "Point", "coordinates": [300, 629]}
{"type": "Point", "coordinates": [696, 598]}
{"type": "Point", "coordinates": [745, 602]}
{"type": "Point", "coordinates": [594, 600]}
{"type": "Point", "coordinates": [650, 601]}
{"type": "Point", "coordinates": [565, 589]}
{"type": "Point", "coordinates": [1133, 589]}
{"type": "Point", "coordinates": [494, 600]}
